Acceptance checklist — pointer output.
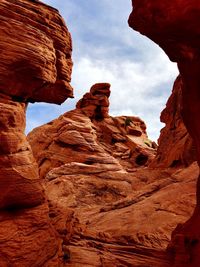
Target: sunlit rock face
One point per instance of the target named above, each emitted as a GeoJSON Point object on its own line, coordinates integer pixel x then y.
{"type": "Point", "coordinates": [107, 205]}
{"type": "Point", "coordinates": [174, 25]}
{"type": "Point", "coordinates": [89, 135]}
{"type": "Point", "coordinates": [35, 65]}
{"type": "Point", "coordinates": [19, 178]}
{"type": "Point", "coordinates": [95, 104]}
{"type": "Point", "coordinates": [36, 52]}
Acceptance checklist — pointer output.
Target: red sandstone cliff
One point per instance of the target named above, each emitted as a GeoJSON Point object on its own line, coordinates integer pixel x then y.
{"type": "Point", "coordinates": [35, 65]}
{"type": "Point", "coordinates": [174, 25]}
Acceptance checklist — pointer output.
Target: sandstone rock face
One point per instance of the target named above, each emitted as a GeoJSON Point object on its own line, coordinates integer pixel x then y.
{"type": "Point", "coordinates": [174, 26]}
{"type": "Point", "coordinates": [89, 135]}
{"type": "Point", "coordinates": [110, 217]}
{"type": "Point", "coordinates": [19, 179]}
{"type": "Point", "coordinates": [35, 64]}
{"type": "Point", "coordinates": [28, 238]}
{"type": "Point", "coordinates": [175, 146]}
{"type": "Point", "coordinates": [95, 103]}
{"type": "Point", "coordinates": [107, 206]}
{"type": "Point", "coordinates": [102, 205]}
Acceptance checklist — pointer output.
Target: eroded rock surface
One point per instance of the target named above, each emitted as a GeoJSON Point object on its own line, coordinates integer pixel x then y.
{"type": "Point", "coordinates": [35, 65]}
{"type": "Point", "coordinates": [89, 135]}
{"type": "Point", "coordinates": [175, 146]}
{"type": "Point", "coordinates": [107, 205]}
{"type": "Point", "coordinates": [174, 26]}
{"type": "Point", "coordinates": [19, 178]}
{"type": "Point", "coordinates": [102, 205]}
{"type": "Point", "coordinates": [115, 218]}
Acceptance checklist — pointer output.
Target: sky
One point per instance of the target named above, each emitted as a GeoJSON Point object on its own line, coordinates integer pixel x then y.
{"type": "Point", "coordinates": [105, 49]}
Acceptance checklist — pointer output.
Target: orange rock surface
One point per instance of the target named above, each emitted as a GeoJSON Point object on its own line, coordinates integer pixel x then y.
{"type": "Point", "coordinates": [107, 205]}
{"type": "Point", "coordinates": [174, 26]}
{"type": "Point", "coordinates": [35, 65]}
{"type": "Point", "coordinates": [89, 135]}
{"type": "Point", "coordinates": [84, 194]}
{"type": "Point", "coordinates": [116, 218]}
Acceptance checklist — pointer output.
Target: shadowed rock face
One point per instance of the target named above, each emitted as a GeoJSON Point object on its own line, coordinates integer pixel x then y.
{"type": "Point", "coordinates": [36, 51]}
{"type": "Point", "coordinates": [174, 25]}
{"type": "Point", "coordinates": [175, 146]}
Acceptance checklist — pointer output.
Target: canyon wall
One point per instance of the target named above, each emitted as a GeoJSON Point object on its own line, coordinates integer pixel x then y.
{"type": "Point", "coordinates": [175, 146]}
{"type": "Point", "coordinates": [79, 191]}
{"type": "Point", "coordinates": [174, 26]}
{"type": "Point", "coordinates": [35, 65]}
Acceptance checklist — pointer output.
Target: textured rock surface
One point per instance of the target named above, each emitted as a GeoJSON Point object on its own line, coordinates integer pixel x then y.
{"type": "Point", "coordinates": [45, 40]}
{"type": "Point", "coordinates": [35, 65]}
{"type": "Point", "coordinates": [175, 146]}
{"type": "Point", "coordinates": [174, 26]}
{"type": "Point", "coordinates": [108, 211]}
{"type": "Point", "coordinates": [27, 238]}
{"type": "Point", "coordinates": [114, 218]}
{"type": "Point", "coordinates": [95, 103]}
{"type": "Point", "coordinates": [19, 179]}
{"type": "Point", "coordinates": [102, 209]}
{"type": "Point", "coordinates": [89, 135]}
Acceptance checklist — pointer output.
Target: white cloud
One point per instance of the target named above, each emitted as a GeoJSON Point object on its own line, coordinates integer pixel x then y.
{"type": "Point", "coordinates": [133, 86]}
{"type": "Point", "coordinates": [107, 50]}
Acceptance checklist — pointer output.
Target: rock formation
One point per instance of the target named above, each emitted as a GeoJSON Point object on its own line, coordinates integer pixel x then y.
{"type": "Point", "coordinates": [174, 26]}
{"type": "Point", "coordinates": [84, 194]}
{"type": "Point", "coordinates": [89, 135]}
{"type": "Point", "coordinates": [115, 218]}
{"type": "Point", "coordinates": [45, 40]}
{"type": "Point", "coordinates": [108, 207]}
{"type": "Point", "coordinates": [95, 103]}
{"type": "Point", "coordinates": [175, 146]}
{"type": "Point", "coordinates": [35, 65]}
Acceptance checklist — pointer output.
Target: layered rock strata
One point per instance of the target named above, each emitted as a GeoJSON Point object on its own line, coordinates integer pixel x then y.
{"type": "Point", "coordinates": [19, 179]}
{"type": "Point", "coordinates": [118, 218]}
{"type": "Point", "coordinates": [35, 65]}
{"type": "Point", "coordinates": [174, 26]}
{"type": "Point", "coordinates": [89, 135]}
{"type": "Point", "coordinates": [108, 207]}
{"type": "Point", "coordinates": [99, 208]}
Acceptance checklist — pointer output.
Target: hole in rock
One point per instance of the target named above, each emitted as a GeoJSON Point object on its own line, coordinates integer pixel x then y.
{"type": "Point", "coordinates": [175, 163]}
{"type": "Point", "coordinates": [98, 114]}
{"type": "Point", "coordinates": [141, 159]}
